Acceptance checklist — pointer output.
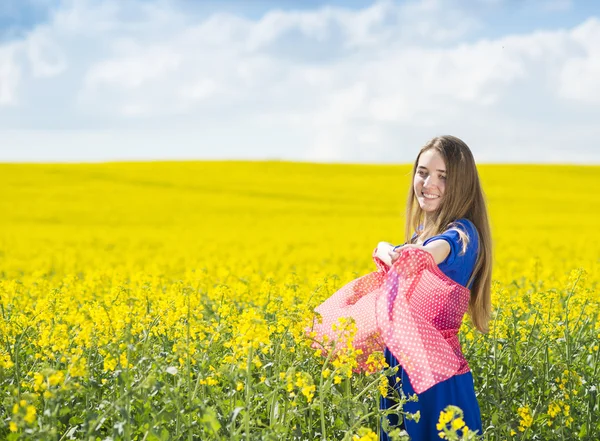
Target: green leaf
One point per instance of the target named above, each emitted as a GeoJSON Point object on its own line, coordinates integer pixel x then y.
{"type": "Point", "coordinates": [74, 420]}
{"type": "Point", "coordinates": [210, 419]}
{"type": "Point", "coordinates": [164, 434]}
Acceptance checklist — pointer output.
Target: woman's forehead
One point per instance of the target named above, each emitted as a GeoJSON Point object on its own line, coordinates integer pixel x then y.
{"type": "Point", "coordinates": [431, 159]}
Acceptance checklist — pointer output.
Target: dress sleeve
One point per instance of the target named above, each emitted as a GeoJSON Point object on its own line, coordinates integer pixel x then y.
{"type": "Point", "coordinates": [456, 255]}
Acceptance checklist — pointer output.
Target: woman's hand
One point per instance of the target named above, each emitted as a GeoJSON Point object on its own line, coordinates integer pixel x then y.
{"type": "Point", "coordinates": [439, 249]}
{"type": "Point", "coordinates": [382, 251]}
{"type": "Point", "coordinates": [395, 252]}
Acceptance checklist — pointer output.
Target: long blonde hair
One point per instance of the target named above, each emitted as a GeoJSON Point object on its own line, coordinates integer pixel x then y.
{"type": "Point", "coordinates": [463, 198]}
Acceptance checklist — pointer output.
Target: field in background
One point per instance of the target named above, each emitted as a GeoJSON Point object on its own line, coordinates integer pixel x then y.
{"type": "Point", "coordinates": [167, 300]}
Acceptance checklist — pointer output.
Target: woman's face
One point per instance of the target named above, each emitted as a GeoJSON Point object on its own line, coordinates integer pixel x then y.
{"type": "Point", "coordinates": [430, 180]}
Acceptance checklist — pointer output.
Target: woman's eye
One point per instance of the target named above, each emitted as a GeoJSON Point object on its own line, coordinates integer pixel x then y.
{"type": "Point", "coordinates": [421, 173]}
{"type": "Point", "coordinates": [443, 177]}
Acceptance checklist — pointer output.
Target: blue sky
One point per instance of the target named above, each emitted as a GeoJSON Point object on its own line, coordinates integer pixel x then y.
{"type": "Point", "coordinates": [312, 80]}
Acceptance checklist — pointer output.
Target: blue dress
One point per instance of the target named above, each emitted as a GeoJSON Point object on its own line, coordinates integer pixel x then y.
{"type": "Point", "coordinates": [458, 390]}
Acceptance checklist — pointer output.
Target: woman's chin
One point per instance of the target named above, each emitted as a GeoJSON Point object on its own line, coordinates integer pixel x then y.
{"type": "Point", "coordinates": [428, 206]}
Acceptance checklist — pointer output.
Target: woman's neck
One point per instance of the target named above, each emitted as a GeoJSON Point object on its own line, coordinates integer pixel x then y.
{"type": "Point", "coordinates": [427, 221]}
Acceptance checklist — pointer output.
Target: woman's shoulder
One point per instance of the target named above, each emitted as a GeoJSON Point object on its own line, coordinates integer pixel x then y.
{"type": "Point", "coordinates": [462, 237]}
{"type": "Point", "coordinates": [456, 230]}
{"type": "Point", "coordinates": [468, 228]}
{"type": "Point", "coordinates": [465, 224]}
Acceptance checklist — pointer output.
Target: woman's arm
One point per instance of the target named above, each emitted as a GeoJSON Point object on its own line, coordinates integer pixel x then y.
{"type": "Point", "coordinates": [439, 249]}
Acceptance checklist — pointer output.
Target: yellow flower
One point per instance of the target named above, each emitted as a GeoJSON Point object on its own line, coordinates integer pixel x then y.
{"type": "Point", "coordinates": [5, 361]}
{"type": "Point", "coordinates": [78, 367]}
{"type": "Point", "coordinates": [38, 382]}
{"type": "Point", "coordinates": [299, 380]}
{"type": "Point", "coordinates": [30, 415]}
{"type": "Point", "coordinates": [56, 378]}
{"type": "Point", "coordinates": [553, 410]}
{"type": "Point", "coordinates": [12, 426]}
{"type": "Point", "coordinates": [309, 392]}
{"type": "Point", "coordinates": [124, 362]}
{"type": "Point", "coordinates": [365, 434]}
{"type": "Point", "coordinates": [110, 363]}
{"type": "Point", "coordinates": [458, 423]}
{"type": "Point", "coordinates": [526, 418]}
{"type": "Point", "coordinates": [383, 386]}
{"type": "Point", "coordinates": [445, 418]}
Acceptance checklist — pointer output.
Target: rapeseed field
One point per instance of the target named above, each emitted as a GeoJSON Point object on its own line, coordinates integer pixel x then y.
{"type": "Point", "coordinates": [168, 300]}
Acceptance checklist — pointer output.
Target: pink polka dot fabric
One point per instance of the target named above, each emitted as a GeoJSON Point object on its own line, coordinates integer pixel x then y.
{"type": "Point", "coordinates": [412, 307]}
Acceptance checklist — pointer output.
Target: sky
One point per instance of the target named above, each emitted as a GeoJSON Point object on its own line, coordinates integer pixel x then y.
{"type": "Point", "coordinates": [315, 81]}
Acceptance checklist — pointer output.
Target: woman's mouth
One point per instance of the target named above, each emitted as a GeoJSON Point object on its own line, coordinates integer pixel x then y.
{"type": "Point", "coordinates": [430, 196]}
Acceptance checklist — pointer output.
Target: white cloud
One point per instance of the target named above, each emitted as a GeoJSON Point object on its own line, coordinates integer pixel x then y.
{"type": "Point", "coordinates": [45, 55]}
{"type": "Point", "coordinates": [355, 84]}
{"type": "Point", "coordinates": [202, 89]}
{"type": "Point", "coordinates": [134, 70]}
{"type": "Point", "coordinates": [580, 74]}
{"type": "Point", "coordinates": [10, 74]}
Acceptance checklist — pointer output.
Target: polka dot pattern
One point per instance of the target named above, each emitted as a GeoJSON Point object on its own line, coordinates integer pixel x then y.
{"type": "Point", "coordinates": [412, 307]}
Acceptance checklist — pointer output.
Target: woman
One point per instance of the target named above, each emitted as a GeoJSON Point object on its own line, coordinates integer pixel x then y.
{"type": "Point", "coordinates": [446, 216]}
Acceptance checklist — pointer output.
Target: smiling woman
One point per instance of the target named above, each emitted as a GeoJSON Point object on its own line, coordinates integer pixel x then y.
{"type": "Point", "coordinates": [446, 216]}
{"type": "Point", "coordinates": [430, 180]}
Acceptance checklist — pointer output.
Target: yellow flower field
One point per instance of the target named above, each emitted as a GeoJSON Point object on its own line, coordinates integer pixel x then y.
{"type": "Point", "coordinates": [166, 300]}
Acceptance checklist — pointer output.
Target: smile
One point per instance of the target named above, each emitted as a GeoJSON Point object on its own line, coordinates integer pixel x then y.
{"type": "Point", "coordinates": [430, 196]}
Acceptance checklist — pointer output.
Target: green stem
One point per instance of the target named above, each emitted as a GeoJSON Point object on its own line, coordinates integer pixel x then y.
{"type": "Point", "coordinates": [366, 389]}
{"type": "Point", "coordinates": [321, 396]}
{"type": "Point", "coordinates": [189, 366]}
{"type": "Point", "coordinates": [321, 409]}
{"type": "Point", "coordinates": [593, 397]}
{"type": "Point", "coordinates": [358, 423]}
{"type": "Point", "coordinates": [248, 391]}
